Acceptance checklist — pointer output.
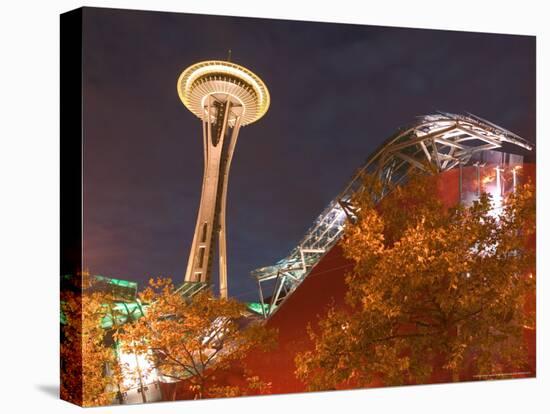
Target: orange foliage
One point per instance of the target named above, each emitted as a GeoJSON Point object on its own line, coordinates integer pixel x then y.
{"type": "Point", "coordinates": [193, 339]}
{"type": "Point", "coordinates": [433, 289]}
{"type": "Point", "coordinates": [85, 357]}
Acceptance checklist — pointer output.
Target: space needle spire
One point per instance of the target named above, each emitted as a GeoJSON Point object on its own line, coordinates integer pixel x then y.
{"type": "Point", "coordinates": [225, 96]}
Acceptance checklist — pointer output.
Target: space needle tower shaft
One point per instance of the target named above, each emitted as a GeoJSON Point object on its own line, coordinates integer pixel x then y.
{"type": "Point", "coordinates": [225, 96]}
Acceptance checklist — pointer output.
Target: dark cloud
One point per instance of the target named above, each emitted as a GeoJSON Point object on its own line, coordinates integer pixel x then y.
{"type": "Point", "coordinates": [337, 91]}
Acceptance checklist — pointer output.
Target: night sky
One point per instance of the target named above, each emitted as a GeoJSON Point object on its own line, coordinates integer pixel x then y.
{"type": "Point", "coordinates": [337, 92]}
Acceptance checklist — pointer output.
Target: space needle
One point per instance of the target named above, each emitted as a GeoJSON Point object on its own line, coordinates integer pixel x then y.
{"type": "Point", "coordinates": [225, 96]}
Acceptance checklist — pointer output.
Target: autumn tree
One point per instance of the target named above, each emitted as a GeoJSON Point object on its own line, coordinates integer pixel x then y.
{"type": "Point", "coordinates": [433, 288]}
{"type": "Point", "coordinates": [194, 339]}
{"type": "Point", "coordinates": [89, 369]}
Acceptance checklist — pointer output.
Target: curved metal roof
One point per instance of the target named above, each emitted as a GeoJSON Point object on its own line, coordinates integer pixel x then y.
{"type": "Point", "coordinates": [436, 143]}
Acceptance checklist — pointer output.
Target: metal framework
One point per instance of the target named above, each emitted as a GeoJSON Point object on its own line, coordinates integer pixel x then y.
{"type": "Point", "coordinates": [435, 143]}
{"type": "Point", "coordinates": [225, 96]}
